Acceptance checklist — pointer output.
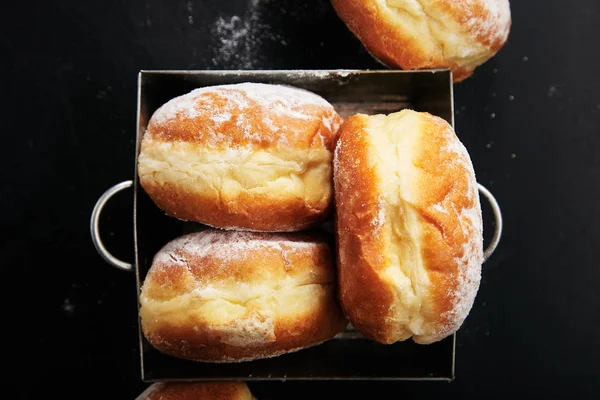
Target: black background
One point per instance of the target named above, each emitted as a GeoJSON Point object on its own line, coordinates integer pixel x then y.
{"type": "Point", "coordinates": [531, 116]}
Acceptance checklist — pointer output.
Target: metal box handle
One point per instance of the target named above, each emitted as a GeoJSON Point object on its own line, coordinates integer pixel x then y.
{"type": "Point", "coordinates": [94, 226]}
{"type": "Point", "coordinates": [487, 253]}
{"type": "Point", "coordinates": [112, 260]}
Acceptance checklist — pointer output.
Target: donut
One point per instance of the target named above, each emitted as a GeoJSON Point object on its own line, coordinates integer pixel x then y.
{"type": "Point", "coordinates": [408, 226]}
{"type": "Point", "coordinates": [232, 296]}
{"type": "Point", "coordinates": [246, 156]}
{"type": "Point", "coordinates": [197, 391]}
{"type": "Point", "coordinates": [418, 34]}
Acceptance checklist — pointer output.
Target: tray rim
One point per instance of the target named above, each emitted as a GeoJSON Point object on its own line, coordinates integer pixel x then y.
{"type": "Point", "coordinates": [302, 73]}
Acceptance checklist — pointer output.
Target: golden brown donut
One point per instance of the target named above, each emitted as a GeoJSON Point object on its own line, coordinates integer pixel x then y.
{"type": "Point", "coordinates": [197, 391]}
{"type": "Point", "coordinates": [417, 34]}
{"type": "Point", "coordinates": [229, 296]}
{"type": "Point", "coordinates": [248, 156]}
{"type": "Point", "coordinates": [408, 225]}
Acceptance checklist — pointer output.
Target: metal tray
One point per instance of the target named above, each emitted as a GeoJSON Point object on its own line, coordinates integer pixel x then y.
{"type": "Point", "coordinates": [348, 356]}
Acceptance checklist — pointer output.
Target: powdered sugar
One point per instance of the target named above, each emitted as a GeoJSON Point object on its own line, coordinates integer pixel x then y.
{"type": "Point", "coordinates": [282, 96]}
{"type": "Point", "coordinates": [311, 74]}
{"type": "Point", "coordinates": [469, 271]}
{"type": "Point", "coordinates": [496, 23]}
{"type": "Point", "coordinates": [343, 73]}
{"type": "Point", "coordinates": [469, 263]}
{"type": "Point", "coordinates": [336, 154]}
{"type": "Point", "coordinates": [379, 219]}
{"type": "Point", "coordinates": [240, 38]}
{"type": "Point", "coordinates": [246, 103]}
{"type": "Point", "coordinates": [439, 208]}
{"type": "Point", "coordinates": [280, 99]}
{"type": "Point", "coordinates": [232, 34]}
{"type": "Point", "coordinates": [225, 245]}
{"type": "Point", "coordinates": [331, 122]}
{"type": "Point", "coordinates": [221, 117]}
{"type": "Point", "coordinates": [185, 106]}
{"type": "Point", "coordinates": [453, 145]}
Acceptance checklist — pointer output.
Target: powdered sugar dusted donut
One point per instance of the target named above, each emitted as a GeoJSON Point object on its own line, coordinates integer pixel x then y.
{"type": "Point", "coordinates": [417, 34]}
{"type": "Point", "coordinates": [197, 391]}
{"type": "Point", "coordinates": [248, 156]}
{"type": "Point", "coordinates": [409, 227]}
{"type": "Point", "coordinates": [228, 296]}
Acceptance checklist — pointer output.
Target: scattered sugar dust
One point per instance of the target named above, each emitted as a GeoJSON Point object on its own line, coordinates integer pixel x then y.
{"type": "Point", "coordinates": [240, 39]}
{"type": "Point", "coordinates": [68, 307]}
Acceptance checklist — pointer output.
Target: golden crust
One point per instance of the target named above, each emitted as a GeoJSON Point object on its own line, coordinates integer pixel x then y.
{"type": "Point", "coordinates": [439, 244]}
{"type": "Point", "coordinates": [246, 114]}
{"type": "Point", "coordinates": [364, 295]}
{"type": "Point", "coordinates": [197, 391]}
{"type": "Point", "coordinates": [455, 34]}
{"type": "Point", "coordinates": [221, 296]}
{"type": "Point", "coordinates": [247, 212]}
{"type": "Point", "coordinates": [246, 156]}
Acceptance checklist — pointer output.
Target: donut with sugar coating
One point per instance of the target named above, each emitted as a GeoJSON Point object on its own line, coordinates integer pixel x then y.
{"type": "Point", "coordinates": [408, 226]}
{"type": "Point", "coordinates": [197, 391]}
{"type": "Point", "coordinates": [231, 296]}
{"type": "Point", "coordinates": [417, 34]}
{"type": "Point", "coordinates": [247, 156]}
